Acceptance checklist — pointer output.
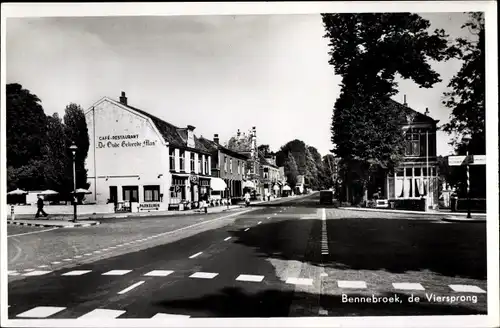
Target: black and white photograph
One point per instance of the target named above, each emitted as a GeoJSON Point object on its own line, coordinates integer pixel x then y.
{"type": "Point", "coordinates": [250, 164]}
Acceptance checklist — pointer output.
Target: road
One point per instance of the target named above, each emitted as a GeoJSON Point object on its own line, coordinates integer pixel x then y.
{"type": "Point", "coordinates": [286, 259]}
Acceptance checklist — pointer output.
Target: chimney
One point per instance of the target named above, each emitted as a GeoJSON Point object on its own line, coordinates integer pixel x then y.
{"type": "Point", "coordinates": [426, 111]}
{"type": "Point", "coordinates": [216, 138]}
{"type": "Point", "coordinates": [238, 133]}
{"type": "Point", "coordinates": [404, 101]}
{"type": "Point", "coordinates": [123, 99]}
{"type": "Point", "coordinates": [190, 136]}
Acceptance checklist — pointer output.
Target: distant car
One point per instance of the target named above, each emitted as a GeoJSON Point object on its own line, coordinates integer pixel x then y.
{"type": "Point", "coordinates": [326, 197]}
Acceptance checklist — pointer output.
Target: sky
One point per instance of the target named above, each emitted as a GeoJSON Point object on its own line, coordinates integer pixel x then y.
{"type": "Point", "coordinates": [218, 73]}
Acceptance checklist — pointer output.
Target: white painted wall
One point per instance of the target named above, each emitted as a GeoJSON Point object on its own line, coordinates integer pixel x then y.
{"type": "Point", "coordinates": [117, 162]}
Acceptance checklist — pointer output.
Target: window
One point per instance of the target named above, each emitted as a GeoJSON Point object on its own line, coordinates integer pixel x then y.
{"type": "Point", "coordinates": [131, 194]}
{"type": "Point", "coordinates": [231, 165]}
{"type": "Point", "coordinates": [225, 163]}
{"type": "Point", "coordinates": [412, 144]}
{"type": "Point", "coordinates": [192, 162]}
{"type": "Point", "coordinates": [409, 172]}
{"type": "Point", "coordinates": [151, 193]}
{"type": "Point", "coordinates": [172, 159]}
{"type": "Point", "coordinates": [239, 168]}
{"type": "Point", "coordinates": [177, 191]}
{"type": "Point", "coordinates": [206, 165]}
{"type": "Point", "coordinates": [200, 166]}
{"type": "Point", "coordinates": [182, 160]}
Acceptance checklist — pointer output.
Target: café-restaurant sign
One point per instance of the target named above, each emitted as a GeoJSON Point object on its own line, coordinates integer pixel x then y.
{"type": "Point", "coordinates": [123, 141]}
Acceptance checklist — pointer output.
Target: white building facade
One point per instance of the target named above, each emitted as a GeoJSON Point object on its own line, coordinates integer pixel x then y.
{"type": "Point", "coordinates": [142, 163]}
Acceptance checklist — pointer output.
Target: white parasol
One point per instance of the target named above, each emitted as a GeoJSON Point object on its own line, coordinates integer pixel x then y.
{"type": "Point", "coordinates": [249, 184]}
{"type": "Point", "coordinates": [48, 192]}
{"type": "Point", "coordinates": [287, 188]}
{"type": "Point", "coordinates": [82, 191]}
{"type": "Point", "coordinates": [17, 192]}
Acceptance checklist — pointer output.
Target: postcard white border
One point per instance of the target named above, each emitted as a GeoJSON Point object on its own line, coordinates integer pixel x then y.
{"type": "Point", "coordinates": [241, 8]}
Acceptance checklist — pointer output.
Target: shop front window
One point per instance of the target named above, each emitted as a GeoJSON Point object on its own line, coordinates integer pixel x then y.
{"type": "Point", "coordinates": [178, 190]}
{"type": "Point", "coordinates": [182, 161]}
{"type": "Point", "coordinates": [151, 193]}
{"type": "Point", "coordinates": [172, 159]}
{"type": "Point", "coordinates": [206, 166]}
{"type": "Point", "coordinates": [200, 166]}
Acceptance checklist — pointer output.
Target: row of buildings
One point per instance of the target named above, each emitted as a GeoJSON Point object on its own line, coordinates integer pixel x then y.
{"type": "Point", "coordinates": [140, 162]}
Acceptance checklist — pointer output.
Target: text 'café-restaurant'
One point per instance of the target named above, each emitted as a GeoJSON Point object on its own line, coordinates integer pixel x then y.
{"type": "Point", "coordinates": [141, 162]}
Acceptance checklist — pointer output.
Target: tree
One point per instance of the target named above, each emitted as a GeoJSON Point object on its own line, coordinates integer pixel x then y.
{"type": "Point", "coordinates": [291, 170]}
{"type": "Point", "coordinates": [467, 95]}
{"type": "Point", "coordinates": [75, 130]}
{"type": "Point", "coordinates": [265, 150]}
{"type": "Point", "coordinates": [56, 157]}
{"type": "Point", "coordinates": [26, 131]}
{"type": "Point", "coordinates": [368, 51]}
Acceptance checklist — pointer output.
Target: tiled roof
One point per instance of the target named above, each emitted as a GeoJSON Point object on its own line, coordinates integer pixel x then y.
{"type": "Point", "coordinates": [264, 161]}
{"type": "Point", "coordinates": [419, 117]}
{"type": "Point", "coordinates": [172, 134]}
{"type": "Point", "coordinates": [213, 146]}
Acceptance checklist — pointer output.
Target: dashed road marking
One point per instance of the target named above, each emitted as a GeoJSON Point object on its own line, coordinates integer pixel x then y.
{"type": "Point", "coordinates": [408, 286]}
{"type": "Point", "coordinates": [43, 266]}
{"type": "Point", "coordinates": [116, 272]}
{"type": "Point", "coordinates": [76, 272]}
{"type": "Point", "coordinates": [324, 236]}
{"type": "Point", "coordinates": [28, 270]}
{"type": "Point", "coordinates": [195, 255]}
{"type": "Point", "coordinates": [259, 222]}
{"type": "Point", "coordinates": [36, 273]}
{"type": "Point", "coordinates": [137, 284]}
{"type": "Point", "coordinates": [41, 312]}
{"type": "Point", "coordinates": [249, 277]}
{"type": "Point", "coordinates": [467, 289]}
{"type": "Point", "coordinates": [77, 256]}
{"type": "Point", "coordinates": [97, 252]}
{"type": "Point", "coordinates": [247, 229]}
{"type": "Point", "coordinates": [226, 239]}
{"type": "Point", "coordinates": [159, 273]}
{"type": "Point", "coordinates": [87, 254]}
{"type": "Point", "coordinates": [351, 284]}
{"type": "Point", "coordinates": [324, 274]}
{"type": "Point", "coordinates": [13, 273]}
{"type": "Point", "coordinates": [299, 281]}
{"type": "Point", "coordinates": [204, 275]}
{"type": "Point", "coordinates": [56, 262]}
{"type": "Point", "coordinates": [67, 260]}
{"type": "Point", "coordinates": [102, 314]}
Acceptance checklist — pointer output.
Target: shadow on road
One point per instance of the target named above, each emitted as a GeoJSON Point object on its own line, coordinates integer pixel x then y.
{"type": "Point", "coordinates": [393, 245]}
{"type": "Point", "coordinates": [234, 302]}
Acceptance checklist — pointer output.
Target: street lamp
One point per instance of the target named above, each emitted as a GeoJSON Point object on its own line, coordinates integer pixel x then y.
{"type": "Point", "coordinates": [73, 149]}
{"type": "Point", "coordinates": [466, 141]}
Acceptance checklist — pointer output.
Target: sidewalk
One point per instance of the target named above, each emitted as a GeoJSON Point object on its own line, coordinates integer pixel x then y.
{"type": "Point", "coordinates": [53, 223]}
{"type": "Point", "coordinates": [89, 220]}
{"type": "Point", "coordinates": [446, 215]}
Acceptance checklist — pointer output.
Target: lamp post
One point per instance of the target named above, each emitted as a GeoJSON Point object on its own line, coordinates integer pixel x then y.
{"type": "Point", "coordinates": [73, 149]}
{"type": "Point", "coordinates": [466, 141]}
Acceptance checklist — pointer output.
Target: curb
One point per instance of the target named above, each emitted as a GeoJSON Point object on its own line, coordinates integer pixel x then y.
{"type": "Point", "coordinates": [464, 220]}
{"type": "Point", "coordinates": [403, 211]}
{"type": "Point", "coordinates": [53, 225]}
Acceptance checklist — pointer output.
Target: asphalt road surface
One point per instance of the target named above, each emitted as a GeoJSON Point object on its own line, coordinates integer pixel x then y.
{"type": "Point", "coordinates": [287, 259]}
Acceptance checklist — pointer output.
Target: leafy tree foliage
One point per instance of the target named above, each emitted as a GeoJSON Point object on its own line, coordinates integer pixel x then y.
{"type": "Point", "coordinates": [467, 95]}
{"type": "Point", "coordinates": [76, 131]}
{"type": "Point", "coordinates": [37, 145]}
{"type": "Point", "coordinates": [368, 51]}
{"type": "Point", "coordinates": [291, 170]}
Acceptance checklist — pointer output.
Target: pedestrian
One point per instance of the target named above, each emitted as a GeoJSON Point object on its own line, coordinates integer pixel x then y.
{"type": "Point", "coordinates": [39, 205]}
{"type": "Point", "coordinates": [205, 202]}
{"type": "Point", "coordinates": [268, 196]}
{"type": "Point", "coordinates": [247, 198]}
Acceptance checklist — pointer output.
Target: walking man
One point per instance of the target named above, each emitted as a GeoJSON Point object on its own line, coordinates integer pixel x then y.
{"type": "Point", "coordinates": [247, 198]}
{"type": "Point", "coordinates": [205, 202]}
{"type": "Point", "coordinates": [39, 204]}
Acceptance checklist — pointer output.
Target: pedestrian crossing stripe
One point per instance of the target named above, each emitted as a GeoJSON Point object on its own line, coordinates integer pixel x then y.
{"type": "Point", "coordinates": [96, 314]}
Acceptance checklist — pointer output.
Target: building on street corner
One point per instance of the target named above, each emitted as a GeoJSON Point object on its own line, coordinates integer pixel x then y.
{"type": "Point", "coordinates": [142, 163]}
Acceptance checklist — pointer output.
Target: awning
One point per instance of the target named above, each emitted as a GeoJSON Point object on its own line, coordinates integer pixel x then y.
{"type": "Point", "coordinates": [217, 184]}
{"type": "Point", "coordinates": [287, 188]}
{"type": "Point", "coordinates": [181, 175]}
{"type": "Point", "coordinates": [17, 192]}
{"type": "Point", "coordinates": [249, 184]}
